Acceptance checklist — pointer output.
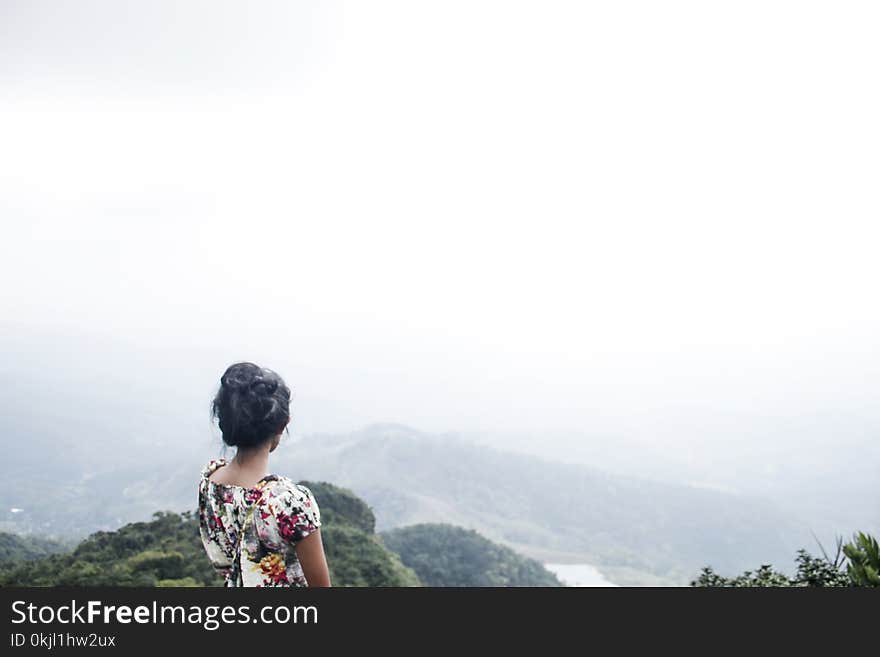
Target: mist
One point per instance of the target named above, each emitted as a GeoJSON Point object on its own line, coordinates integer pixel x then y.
{"type": "Point", "coordinates": [634, 235]}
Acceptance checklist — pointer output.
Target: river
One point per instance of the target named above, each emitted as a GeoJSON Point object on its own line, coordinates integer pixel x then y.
{"type": "Point", "coordinates": [578, 574]}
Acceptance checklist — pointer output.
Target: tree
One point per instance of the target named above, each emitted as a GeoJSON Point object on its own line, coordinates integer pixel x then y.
{"type": "Point", "coordinates": [855, 564]}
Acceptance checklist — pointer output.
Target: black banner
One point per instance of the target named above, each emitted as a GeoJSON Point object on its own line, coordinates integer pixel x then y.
{"type": "Point", "coordinates": [109, 619]}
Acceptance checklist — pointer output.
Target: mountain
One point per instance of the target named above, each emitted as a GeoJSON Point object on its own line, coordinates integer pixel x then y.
{"type": "Point", "coordinates": [355, 554]}
{"type": "Point", "coordinates": [167, 551]}
{"type": "Point", "coordinates": [635, 531]}
{"type": "Point", "coordinates": [162, 552]}
{"type": "Point", "coordinates": [444, 555]}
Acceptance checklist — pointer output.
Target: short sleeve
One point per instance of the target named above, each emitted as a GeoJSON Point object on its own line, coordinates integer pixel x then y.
{"type": "Point", "coordinates": [290, 513]}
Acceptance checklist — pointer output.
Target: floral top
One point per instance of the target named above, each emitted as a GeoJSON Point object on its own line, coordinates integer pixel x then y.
{"type": "Point", "coordinates": [276, 514]}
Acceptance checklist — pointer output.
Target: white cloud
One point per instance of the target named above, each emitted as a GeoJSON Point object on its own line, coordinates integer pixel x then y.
{"type": "Point", "coordinates": [461, 209]}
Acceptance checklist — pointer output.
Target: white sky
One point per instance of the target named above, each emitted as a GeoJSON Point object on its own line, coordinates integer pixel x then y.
{"type": "Point", "coordinates": [458, 215]}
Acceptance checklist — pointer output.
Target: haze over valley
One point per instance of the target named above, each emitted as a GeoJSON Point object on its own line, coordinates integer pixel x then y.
{"type": "Point", "coordinates": [579, 276]}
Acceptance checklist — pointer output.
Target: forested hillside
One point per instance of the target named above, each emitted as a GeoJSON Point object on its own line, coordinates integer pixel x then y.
{"type": "Point", "coordinates": [167, 551]}
{"type": "Point", "coordinates": [634, 531]}
{"type": "Point", "coordinates": [443, 555]}
{"type": "Point", "coordinates": [18, 548]}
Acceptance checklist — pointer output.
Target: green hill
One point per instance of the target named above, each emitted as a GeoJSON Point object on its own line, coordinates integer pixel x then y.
{"type": "Point", "coordinates": [25, 548]}
{"type": "Point", "coordinates": [444, 555]}
{"type": "Point", "coordinates": [355, 554]}
{"type": "Point", "coordinates": [634, 531]}
{"type": "Point", "coordinates": [167, 551]}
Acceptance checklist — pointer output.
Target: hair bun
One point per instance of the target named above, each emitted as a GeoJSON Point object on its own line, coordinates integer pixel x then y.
{"type": "Point", "coordinates": [263, 387]}
{"type": "Point", "coordinates": [252, 405]}
{"type": "Point", "coordinates": [240, 376]}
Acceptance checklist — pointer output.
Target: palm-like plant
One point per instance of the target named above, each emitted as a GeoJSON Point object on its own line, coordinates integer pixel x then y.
{"type": "Point", "coordinates": [864, 560]}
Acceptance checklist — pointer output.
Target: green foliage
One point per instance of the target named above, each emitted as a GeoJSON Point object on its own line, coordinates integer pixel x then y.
{"type": "Point", "coordinates": [444, 555]}
{"type": "Point", "coordinates": [138, 554]}
{"type": "Point", "coordinates": [341, 506]}
{"type": "Point", "coordinates": [765, 576]}
{"type": "Point", "coordinates": [168, 552]}
{"type": "Point", "coordinates": [186, 581]}
{"type": "Point", "coordinates": [644, 532]}
{"type": "Point", "coordinates": [864, 560]}
{"type": "Point", "coordinates": [24, 548]}
{"type": "Point", "coordinates": [861, 570]}
{"type": "Point", "coordinates": [359, 559]}
{"type": "Point", "coordinates": [355, 555]}
{"type": "Point", "coordinates": [819, 571]}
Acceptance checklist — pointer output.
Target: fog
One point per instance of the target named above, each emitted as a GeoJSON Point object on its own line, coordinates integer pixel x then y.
{"type": "Point", "coordinates": [640, 234]}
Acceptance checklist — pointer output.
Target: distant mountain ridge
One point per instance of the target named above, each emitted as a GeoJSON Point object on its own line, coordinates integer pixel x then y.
{"type": "Point", "coordinates": [635, 531]}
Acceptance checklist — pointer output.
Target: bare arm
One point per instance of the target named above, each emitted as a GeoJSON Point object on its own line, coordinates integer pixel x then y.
{"type": "Point", "coordinates": [310, 552]}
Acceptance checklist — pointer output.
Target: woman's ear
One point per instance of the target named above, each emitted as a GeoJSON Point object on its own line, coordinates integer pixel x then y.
{"type": "Point", "coordinates": [275, 441]}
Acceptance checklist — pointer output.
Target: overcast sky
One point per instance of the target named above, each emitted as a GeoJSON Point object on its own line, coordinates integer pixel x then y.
{"type": "Point", "coordinates": [458, 215]}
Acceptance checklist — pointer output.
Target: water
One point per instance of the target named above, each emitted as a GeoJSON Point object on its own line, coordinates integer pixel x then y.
{"type": "Point", "coordinates": [578, 574]}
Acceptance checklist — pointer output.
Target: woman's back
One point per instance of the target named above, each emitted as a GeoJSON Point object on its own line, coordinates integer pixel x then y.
{"type": "Point", "coordinates": [250, 533]}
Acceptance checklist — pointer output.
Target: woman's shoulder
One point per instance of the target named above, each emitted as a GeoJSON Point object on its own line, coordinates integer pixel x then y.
{"type": "Point", "coordinates": [211, 466]}
{"type": "Point", "coordinates": [281, 486]}
{"type": "Point", "coordinates": [288, 512]}
{"type": "Point", "coordinates": [290, 499]}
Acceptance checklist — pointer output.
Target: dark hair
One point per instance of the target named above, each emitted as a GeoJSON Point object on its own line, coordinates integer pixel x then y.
{"type": "Point", "coordinates": [251, 406]}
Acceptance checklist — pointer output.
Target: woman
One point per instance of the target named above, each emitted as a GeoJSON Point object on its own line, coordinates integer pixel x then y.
{"type": "Point", "coordinates": [259, 529]}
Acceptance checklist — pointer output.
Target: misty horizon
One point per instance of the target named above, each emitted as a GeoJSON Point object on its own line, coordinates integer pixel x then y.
{"type": "Point", "coordinates": [589, 234]}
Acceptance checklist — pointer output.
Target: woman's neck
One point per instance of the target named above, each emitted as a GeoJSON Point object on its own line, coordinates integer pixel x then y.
{"type": "Point", "coordinates": [252, 461]}
{"type": "Point", "coordinates": [247, 468]}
